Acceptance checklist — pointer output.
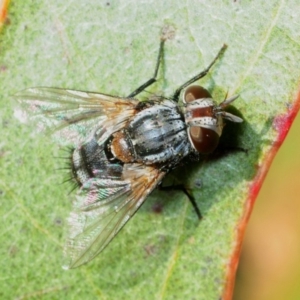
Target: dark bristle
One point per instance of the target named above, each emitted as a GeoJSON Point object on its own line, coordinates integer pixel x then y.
{"type": "Point", "coordinates": [69, 179]}
{"type": "Point", "coordinates": [68, 149]}
{"type": "Point", "coordinates": [74, 187]}
{"type": "Point", "coordinates": [62, 157]}
{"type": "Point", "coordinates": [68, 166]}
{"type": "Point", "coordinates": [73, 183]}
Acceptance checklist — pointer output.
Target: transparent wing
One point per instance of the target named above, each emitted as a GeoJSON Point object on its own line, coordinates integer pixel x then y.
{"type": "Point", "coordinates": [76, 115]}
{"type": "Point", "coordinates": [103, 207]}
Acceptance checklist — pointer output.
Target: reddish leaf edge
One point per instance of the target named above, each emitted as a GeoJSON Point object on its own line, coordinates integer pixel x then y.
{"type": "Point", "coordinates": [282, 124]}
{"type": "Point", "coordinates": [3, 12]}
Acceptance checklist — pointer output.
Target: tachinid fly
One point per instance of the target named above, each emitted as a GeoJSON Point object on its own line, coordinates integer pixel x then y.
{"type": "Point", "coordinates": [123, 148]}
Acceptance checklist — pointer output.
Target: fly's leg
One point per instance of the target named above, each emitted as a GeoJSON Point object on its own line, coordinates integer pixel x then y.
{"type": "Point", "coordinates": [200, 75]}
{"type": "Point", "coordinates": [153, 79]}
{"type": "Point", "coordinates": [181, 187]}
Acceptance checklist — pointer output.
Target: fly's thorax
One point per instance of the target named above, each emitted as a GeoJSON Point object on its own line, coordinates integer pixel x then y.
{"type": "Point", "coordinates": [204, 124]}
{"type": "Point", "coordinates": [156, 135]}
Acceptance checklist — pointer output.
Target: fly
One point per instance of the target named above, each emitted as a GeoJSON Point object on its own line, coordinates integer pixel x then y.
{"type": "Point", "coordinates": [123, 148]}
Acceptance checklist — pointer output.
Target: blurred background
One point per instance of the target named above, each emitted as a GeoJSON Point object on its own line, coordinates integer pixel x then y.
{"type": "Point", "coordinates": [269, 266]}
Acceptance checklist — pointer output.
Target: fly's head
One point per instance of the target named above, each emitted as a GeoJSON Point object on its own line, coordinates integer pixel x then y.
{"type": "Point", "coordinates": [204, 118]}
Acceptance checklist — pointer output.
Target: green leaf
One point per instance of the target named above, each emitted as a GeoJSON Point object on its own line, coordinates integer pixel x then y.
{"type": "Point", "coordinates": [111, 47]}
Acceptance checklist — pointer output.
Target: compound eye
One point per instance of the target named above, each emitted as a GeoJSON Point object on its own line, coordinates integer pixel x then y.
{"type": "Point", "coordinates": [204, 140]}
{"type": "Point", "coordinates": [194, 92]}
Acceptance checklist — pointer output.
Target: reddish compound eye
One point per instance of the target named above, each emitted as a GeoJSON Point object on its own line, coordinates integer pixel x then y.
{"type": "Point", "coordinates": [205, 127]}
{"type": "Point", "coordinates": [194, 92]}
{"type": "Point", "coordinates": [204, 140]}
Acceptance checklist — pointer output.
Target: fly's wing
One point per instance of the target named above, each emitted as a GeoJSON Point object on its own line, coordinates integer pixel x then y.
{"type": "Point", "coordinates": [103, 207]}
{"type": "Point", "coordinates": [75, 116]}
